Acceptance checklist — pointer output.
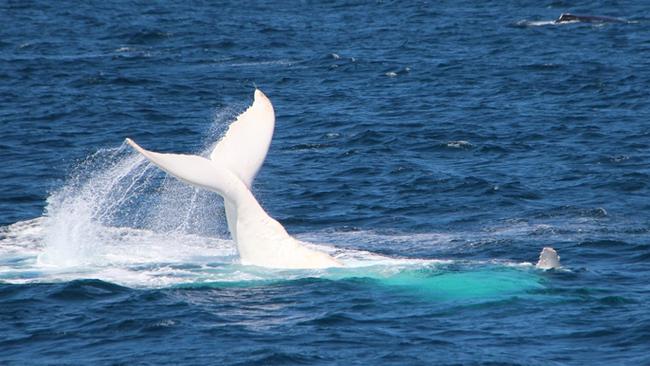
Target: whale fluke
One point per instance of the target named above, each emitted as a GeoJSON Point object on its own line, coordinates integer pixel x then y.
{"type": "Point", "coordinates": [243, 147]}
{"type": "Point", "coordinates": [230, 170]}
{"type": "Point", "coordinates": [548, 259]}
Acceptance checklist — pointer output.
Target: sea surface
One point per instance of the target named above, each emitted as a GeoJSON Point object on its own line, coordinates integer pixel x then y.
{"type": "Point", "coordinates": [433, 147]}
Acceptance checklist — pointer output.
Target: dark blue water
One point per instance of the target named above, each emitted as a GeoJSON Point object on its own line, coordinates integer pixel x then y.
{"type": "Point", "coordinates": [455, 130]}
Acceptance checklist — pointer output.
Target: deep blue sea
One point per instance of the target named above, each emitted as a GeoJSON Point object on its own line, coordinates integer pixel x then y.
{"type": "Point", "coordinates": [436, 146]}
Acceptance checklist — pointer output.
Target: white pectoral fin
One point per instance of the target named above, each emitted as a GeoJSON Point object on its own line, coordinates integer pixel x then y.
{"type": "Point", "coordinates": [548, 259]}
{"type": "Point", "coordinates": [244, 146]}
{"type": "Point", "coordinates": [192, 169]}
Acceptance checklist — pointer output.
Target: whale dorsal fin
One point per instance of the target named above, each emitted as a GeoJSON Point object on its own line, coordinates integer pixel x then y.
{"type": "Point", "coordinates": [244, 146]}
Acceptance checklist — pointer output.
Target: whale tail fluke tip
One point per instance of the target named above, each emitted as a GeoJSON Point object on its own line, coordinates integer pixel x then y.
{"type": "Point", "coordinates": [135, 146]}
{"type": "Point", "coordinates": [259, 96]}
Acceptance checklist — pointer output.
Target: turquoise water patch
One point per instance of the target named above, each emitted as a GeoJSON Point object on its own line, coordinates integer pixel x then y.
{"type": "Point", "coordinates": [442, 282]}
{"type": "Point", "coordinates": [466, 284]}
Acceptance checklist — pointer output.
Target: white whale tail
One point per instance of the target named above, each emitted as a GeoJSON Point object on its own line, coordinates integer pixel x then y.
{"type": "Point", "coordinates": [230, 170]}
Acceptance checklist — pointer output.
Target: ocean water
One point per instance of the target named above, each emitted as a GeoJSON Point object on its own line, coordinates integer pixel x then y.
{"type": "Point", "coordinates": [434, 147]}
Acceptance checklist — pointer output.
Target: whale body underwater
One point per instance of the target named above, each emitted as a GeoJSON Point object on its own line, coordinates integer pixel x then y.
{"type": "Point", "coordinates": [230, 170]}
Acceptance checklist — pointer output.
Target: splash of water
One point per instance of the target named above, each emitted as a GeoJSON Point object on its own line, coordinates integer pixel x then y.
{"type": "Point", "coordinates": [117, 188]}
{"type": "Point", "coordinates": [76, 213]}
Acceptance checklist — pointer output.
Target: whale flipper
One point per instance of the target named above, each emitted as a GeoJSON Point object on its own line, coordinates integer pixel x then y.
{"type": "Point", "coordinates": [548, 259]}
{"type": "Point", "coordinates": [260, 239]}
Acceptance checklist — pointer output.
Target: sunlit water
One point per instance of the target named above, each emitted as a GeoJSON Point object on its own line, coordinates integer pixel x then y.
{"type": "Point", "coordinates": [434, 149]}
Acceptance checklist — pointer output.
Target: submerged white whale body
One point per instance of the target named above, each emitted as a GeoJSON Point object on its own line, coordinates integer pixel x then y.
{"type": "Point", "coordinates": [229, 171]}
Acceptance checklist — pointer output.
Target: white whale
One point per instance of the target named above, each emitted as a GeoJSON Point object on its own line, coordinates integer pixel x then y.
{"type": "Point", "coordinates": [229, 171]}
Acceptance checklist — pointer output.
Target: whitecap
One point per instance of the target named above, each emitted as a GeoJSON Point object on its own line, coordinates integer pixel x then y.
{"type": "Point", "coordinates": [460, 144]}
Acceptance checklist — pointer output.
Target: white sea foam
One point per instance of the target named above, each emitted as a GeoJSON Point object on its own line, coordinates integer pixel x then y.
{"type": "Point", "coordinates": [459, 144]}
{"type": "Point", "coordinates": [119, 220]}
{"type": "Point", "coordinates": [262, 63]}
{"type": "Point", "coordinates": [537, 23]}
{"type": "Point", "coordinates": [144, 258]}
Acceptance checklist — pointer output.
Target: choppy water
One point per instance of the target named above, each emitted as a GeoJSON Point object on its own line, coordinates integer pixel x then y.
{"type": "Point", "coordinates": [435, 148]}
